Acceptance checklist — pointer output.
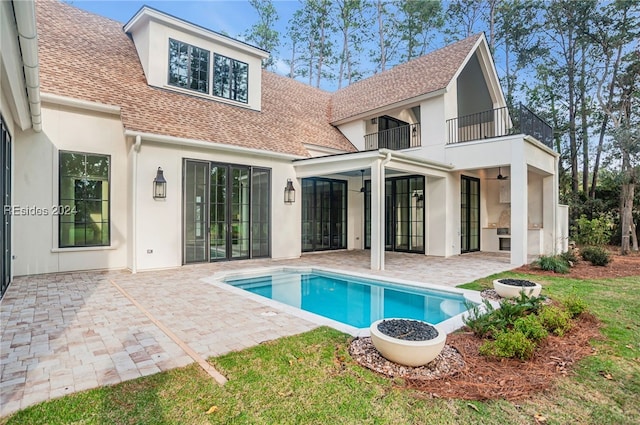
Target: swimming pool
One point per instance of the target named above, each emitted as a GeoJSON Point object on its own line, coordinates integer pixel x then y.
{"type": "Point", "coordinates": [352, 300]}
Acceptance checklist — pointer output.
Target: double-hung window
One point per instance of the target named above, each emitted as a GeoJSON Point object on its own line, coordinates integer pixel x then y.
{"type": "Point", "coordinates": [84, 200]}
{"type": "Point", "coordinates": [188, 66]}
{"type": "Point", "coordinates": [230, 78]}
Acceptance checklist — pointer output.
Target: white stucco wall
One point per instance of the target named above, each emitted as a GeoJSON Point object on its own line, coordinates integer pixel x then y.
{"type": "Point", "coordinates": [160, 222]}
{"type": "Point", "coordinates": [36, 185]}
{"type": "Point", "coordinates": [152, 44]}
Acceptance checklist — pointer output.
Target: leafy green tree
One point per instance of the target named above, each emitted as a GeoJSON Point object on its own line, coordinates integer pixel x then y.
{"type": "Point", "coordinates": [263, 33]}
{"type": "Point", "coordinates": [415, 22]}
{"type": "Point", "coordinates": [352, 26]}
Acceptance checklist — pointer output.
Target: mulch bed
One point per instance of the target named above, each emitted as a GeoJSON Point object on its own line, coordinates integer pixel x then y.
{"type": "Point", "coordinates": [483, 378]}
{"type": "Point", "coordinates": [620, 266]}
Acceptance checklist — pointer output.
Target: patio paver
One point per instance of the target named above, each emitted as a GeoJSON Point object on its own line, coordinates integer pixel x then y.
{"type": "Point", "coordinates": [68, 332]}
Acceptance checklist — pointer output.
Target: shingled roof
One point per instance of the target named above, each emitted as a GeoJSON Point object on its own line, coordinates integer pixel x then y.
{"type": "Point", "coordinates": [420, 76]}
{"type": "Point", "coordinates": [89, 57]}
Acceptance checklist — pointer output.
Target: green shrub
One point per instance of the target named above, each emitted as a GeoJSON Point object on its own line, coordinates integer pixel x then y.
{"type": "Point", "coordinates": [509, 344]}
{"type": "Point", "coordinates": [493, 321]}
{"type": "Point", "coordinates": [531, 327]}
{"type": "Point", "coordinates": [554, 263]}
{"type": "Point", "coordinates": [592, 232]}
{"type": "Point", "coordinates": [597, 255]}
{"type": "Point", "coordinates": [480, 322]}
{"type": "Point", "coordinates": [554, 319]}
{"type": "Point", "coordinates": [569, 256]}
{"type": "Point", "coordinates": [574, 305]}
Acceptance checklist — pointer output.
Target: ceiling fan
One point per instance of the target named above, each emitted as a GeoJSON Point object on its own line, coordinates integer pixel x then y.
{"type": "Point", "coordinates": [499, 176]}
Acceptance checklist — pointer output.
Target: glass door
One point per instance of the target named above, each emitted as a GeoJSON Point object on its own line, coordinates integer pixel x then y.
{"type": "Point", "coordinates": [218, 213]}
{"type": "Point", "coordinates": [227, 214]}
{"type": "Point", "coordinates": [239, 219]}
{"type": "Point", "coordinates": [324, 214]}
{"type": "Point", "coordinates": [469, 214]}
{"type": "Point", "coordinates": [196, 201]}
{"type": "Point", "coordinates": [5, 193]}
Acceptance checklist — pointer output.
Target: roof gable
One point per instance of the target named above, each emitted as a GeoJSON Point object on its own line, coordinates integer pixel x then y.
{"type": "Point", "coordinates": [426, 74]}
{"type": "Point", "coordinates": [89, 57]}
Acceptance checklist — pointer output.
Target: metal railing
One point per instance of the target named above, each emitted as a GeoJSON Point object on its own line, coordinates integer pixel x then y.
{"type": "Point", "coordinates": [404, 137]}
{"type": "Point", "coordinates": [497, 123]}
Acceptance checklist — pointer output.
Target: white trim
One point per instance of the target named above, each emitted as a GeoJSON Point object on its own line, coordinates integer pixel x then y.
{"type": "Point", "coordinates": [25, 14]}
{"type": "Point", "coordinates": [84, 248]}
{"type": "Point", "coordinates": [323, 149]}
{"type": "Point", "coordinates": [537, 143]}
{"type": "Point", "coordinates": [209, 96]}
{"type": "Point", "coordinates": [181, 141]}
{"type": "Point", "coordinates": [146, 13]}
{"type": "Point", "coordinates": [56, 99]}
{"type": "Point", "coordinates": [379, 154]}
{"type": "Point", "coordinates": [401, 104]}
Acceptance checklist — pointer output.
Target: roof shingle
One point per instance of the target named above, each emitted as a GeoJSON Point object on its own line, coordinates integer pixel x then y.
{"type": "Point", "coordinates": [420, 76]}
{"type": "Point", "coordinates": [89, 57]}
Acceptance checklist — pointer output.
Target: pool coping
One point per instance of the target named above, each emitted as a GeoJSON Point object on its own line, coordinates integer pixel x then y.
{"type": "Point", "coordinates": [447, 326]}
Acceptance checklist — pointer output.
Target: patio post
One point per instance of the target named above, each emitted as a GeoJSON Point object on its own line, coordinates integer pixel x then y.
{"type": "Point", "coordinates": [519, 205]}
{"type": "Point", "coordinates": [377, 215]}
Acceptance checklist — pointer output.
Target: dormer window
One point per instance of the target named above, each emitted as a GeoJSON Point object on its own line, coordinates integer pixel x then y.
{"type": "Point", "coordinates": [230, 78]}
{"type": "Point", "coordinates": [188, 66]}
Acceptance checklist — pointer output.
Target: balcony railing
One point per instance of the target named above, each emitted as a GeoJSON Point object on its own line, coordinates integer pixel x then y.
{"type": "Point", "coordinates": [404, 137]}
{"type": "Point", "coordinates": [497, 123]}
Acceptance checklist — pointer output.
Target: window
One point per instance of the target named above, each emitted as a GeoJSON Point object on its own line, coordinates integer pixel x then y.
{"type": "Point", "coordinates": [84, 200]}
{"type": "Point", "coordinates": [188, 66]}
{"type": "Point", "coordinates": [230, 78]}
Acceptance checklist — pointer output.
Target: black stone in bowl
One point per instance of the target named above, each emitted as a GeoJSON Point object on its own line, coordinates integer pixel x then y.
{"type": "Point", "coordinates": [517, 282]}
{"type": "Point", "coordinates": [408, 330]}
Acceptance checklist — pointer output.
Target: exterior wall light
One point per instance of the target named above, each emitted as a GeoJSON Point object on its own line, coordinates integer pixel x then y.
{"type": "Point", "coordinates": [289, 193]}
{"type": "Point", "coordinates": [159, 185]}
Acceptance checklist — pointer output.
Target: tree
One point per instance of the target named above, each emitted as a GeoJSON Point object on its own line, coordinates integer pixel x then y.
{"type": "Point", "coordinates": [351, 24]}
{"type": "Point", "coordinates": [464, 17]}
{"type": "Point", "coordinates": [622, 75]}
{"type": "Point", "coordinates": [263, 33]}
{"type": "Point", "coordinates": [414, 23]}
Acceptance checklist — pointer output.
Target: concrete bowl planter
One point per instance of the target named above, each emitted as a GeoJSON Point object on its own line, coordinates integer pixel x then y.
{"type": "Point", "coordinates": [427, 344]}
{"type": "Point", "coordinates": [511, 288]}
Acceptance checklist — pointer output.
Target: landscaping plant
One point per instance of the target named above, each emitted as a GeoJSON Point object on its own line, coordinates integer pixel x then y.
{"type": "Point", "coordinates": [597, 255]}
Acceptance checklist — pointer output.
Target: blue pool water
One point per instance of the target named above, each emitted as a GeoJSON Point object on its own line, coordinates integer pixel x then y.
{"type": "Point", "coordinates": [352, 300]}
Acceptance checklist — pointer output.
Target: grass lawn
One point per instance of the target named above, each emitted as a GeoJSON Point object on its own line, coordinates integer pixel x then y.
{"type": "Point", "coordinates": [310, 379]}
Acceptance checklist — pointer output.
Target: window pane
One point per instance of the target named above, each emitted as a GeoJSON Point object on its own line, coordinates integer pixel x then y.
{"type": "Point", "coordinates": [230, 79]}
{"type": "Point", "coordinates": [84, 187]}
{"type": "Point", "coordinates": [188, 66]}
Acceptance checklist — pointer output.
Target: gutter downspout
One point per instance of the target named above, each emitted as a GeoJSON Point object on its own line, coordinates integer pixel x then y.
{"type": "Point", "coordinates": [25, 14]}
{"type": "Point", "coordinates": [134, 204]}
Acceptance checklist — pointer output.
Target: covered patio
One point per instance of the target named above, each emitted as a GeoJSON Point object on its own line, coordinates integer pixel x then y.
{"type": "Point", "coordinates": [60, 335]}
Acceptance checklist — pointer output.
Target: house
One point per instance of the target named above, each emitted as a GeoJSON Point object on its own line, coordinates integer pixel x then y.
{"type": "Point", "coordinates": [161, 143]}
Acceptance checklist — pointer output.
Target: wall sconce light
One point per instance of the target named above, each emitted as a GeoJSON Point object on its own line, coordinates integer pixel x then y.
{"type": "Point", "coordinates": [159, 185]}
{"type": "Point", "coordinates": [414, 131]}
{"type": "Point", "coordinates": [419, 198]}
{"type": "Point", "coordinates": [374, 120]}
{"type": "Point", "coordinates": [289, 193]}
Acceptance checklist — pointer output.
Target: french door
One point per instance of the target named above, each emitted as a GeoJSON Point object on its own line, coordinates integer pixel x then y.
{"type": "Point", "coordinates": [324, 214]}
{"type": "Point", "coordinates": [469, 214]}
{"type": "Point", "coordinates": [226, 211]}
{"type": "Point", "coordinates": [5, 193]}
{"type": "Point", "coordinates": [404, 214]}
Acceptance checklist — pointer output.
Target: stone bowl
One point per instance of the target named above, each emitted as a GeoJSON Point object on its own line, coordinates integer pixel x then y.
{"type": "Point", "coordinates": [513, 291]}
{"type": "Point", "coordinates": [404, 352]}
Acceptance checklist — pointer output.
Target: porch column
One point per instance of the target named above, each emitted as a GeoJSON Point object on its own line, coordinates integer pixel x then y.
{"type": "Point", "coordinates": [519, 205]}
{"type": "Point", "coordinates": [549, 211]}
{"type": "Point", "coordinates": [377, 215]}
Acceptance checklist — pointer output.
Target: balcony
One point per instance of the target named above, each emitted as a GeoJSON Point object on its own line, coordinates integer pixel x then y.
{"type": "Point", "coordinates": [497, 123]}
{"type": "Point", "coordinates": [403, 137]}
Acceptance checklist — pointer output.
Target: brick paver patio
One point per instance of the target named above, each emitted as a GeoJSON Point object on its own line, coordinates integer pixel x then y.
{"type": "Point", "coordinates": [68, 332]}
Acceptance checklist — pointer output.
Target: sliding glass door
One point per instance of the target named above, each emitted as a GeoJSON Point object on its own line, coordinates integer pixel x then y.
{"type": "Point", "coordinates": [324, 214]}
{"type": "Point", "coordinates": [226, 212]}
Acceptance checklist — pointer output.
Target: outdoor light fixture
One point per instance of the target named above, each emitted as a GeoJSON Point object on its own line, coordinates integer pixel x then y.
{"type": "Point", "coordinates": [374, 120]}
{"type": "Point", "coordinates": [159, 185]}
{"type": "Point", "coordinates": [289, 193]}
